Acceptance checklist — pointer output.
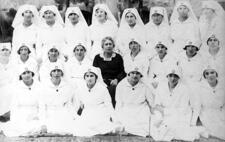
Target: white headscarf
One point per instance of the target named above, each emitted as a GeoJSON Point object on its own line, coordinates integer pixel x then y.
{"type": "Point", "coordinates": [77, 11]}
{"type": "Point", "coordinates": [175, 15]}
{"type": "Point", "coordinates": [53, 8]}
{"type": "Point", "coordinates": [123, 22]}
{"type": "Point", "coordinates": [109, 16]}
{"type": "Point", "coordinates": [160, 10]}
{"type": "Point", "coordinates": [19, 18]}
{"type": "Point", "coordinates": [211, 4]}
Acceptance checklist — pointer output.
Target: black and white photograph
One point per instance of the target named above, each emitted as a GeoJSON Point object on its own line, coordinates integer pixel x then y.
{"type": "Point", "coordinates": [112, 70]}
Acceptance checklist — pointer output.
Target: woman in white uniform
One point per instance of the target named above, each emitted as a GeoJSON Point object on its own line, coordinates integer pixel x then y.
{"type": "Point", "coordinates": [157, 29]}
{"type": "Point", "coordinates": [6, 78]}
{"type": "Point", "coordinates": [183, 18]}
{"type": "Point", "coordinates": [52, 57]}
{"type": "Point", "coordinates": [57, 103]}
{"type": "Point", "coordinates": [25, 26]}
{"type": "Point", "coordinates": [133, 103]}
{"type": "Point", "coordinates": [76, 29]}
{"type": "Point", "coordinates": [24, 58]}
{"type": "Point", "coordinates": [191, 63]}
{"type": "Point", "coordinates": [131, 26]}
{"type": "Point", "coordinates": [24, 111]}
{"type": "Point", "coordinates": [77, 64]}
{"type": "Point", "coordinates": [212, 20]}
{"type": "Point", "coordinates": [136, 56]}
{"type": "Point", "coordinates": [103, 25]}
{"type": "Point", "coordinates": [173, 111]}
{"type": "Point", "coordinates": [212, 102]}
{"type": "Point", "coordinates": [51, 28]}
{"type": "Point", "coordinates": [160, 62]}
{"type": "Point", "coordinates": [94, 100]}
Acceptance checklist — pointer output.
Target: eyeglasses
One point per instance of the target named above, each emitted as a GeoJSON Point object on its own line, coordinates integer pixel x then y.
{"type": "Point", "coordinates": [4, 49]}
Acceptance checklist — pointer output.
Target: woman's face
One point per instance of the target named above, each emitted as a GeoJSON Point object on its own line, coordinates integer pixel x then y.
{"type": "Point", "coordinates": [134, 46]}
{"type": "Point", "coordinates": [183, 11]}
{"type": "Point", "coordinates": [157, 18]}
{"type": "Point", "coordinates": [100, 14]}
{"type": "Point", "coordinates": [130, 18]}
{"type": "Point", "coordinates": [53, 54]}
{"type": "Point", "coordinates": [190, 50]}
{"type": "Point", "coordinates": [79, 52]}
{"type": "Point", "coordinates": [108, 46]}
{"type": "Point", "coordinates": [173, 78]}
{"type": "Point", "coordinates": [5, 52]}
{"type": "Point", "coordinates": [134, 77]}
{"type": "Point", "coordinates": [28, 15]}
{"type": "Point", "coordinates": [26, 76]}
{"type": "Point", "coordinates": [213, 43]}
{"type": "Point", "coordinates": [49, 16]}
{"type": "Point", "coordinates": [210, 75]}
{"type": "Point", "coordinates": [24, 51]}
{"type": "Point", "coordinates": [56, 73]}
{"type": "Point", "coordinates": [74, 18]}
{"type": "Point", "coordinates": [208, 12]}
{"type": "Point", "coordinates": [90, 78]}
{"type": "Point", "coordinates": [160, 49]}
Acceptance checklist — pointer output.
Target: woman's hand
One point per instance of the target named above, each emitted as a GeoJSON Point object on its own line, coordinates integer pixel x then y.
{"type": "Point", "coordinates": [114, 82]}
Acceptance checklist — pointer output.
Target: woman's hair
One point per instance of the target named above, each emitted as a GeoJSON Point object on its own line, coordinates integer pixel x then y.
{"type": "Point", "coordinates": [20, 77]}
{"type": "Point", "coordinates": [18, 51]}
{"type": "Point", "coordinates": [96, 76]}
{"type": "Point", "coordinates": [81, 46]}
{"type": "Point", "coordinates": [108, 38]}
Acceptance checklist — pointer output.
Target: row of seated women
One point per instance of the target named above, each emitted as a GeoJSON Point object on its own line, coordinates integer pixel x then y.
{"type": "Point", "coordinates": [71, 97]}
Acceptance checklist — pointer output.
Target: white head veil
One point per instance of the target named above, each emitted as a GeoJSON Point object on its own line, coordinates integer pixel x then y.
{"type": "Point", "coordinates": [77, 11]}
{"type": "Point", "coordinates": [104, 7]}
{"type": "Point", "coordinates": [161, 11]}
{"type": "Point", "coordinates": [175, 15]}
{"type": "Point", "coordinates": [123, 22]}
{"type": "Point", "coordinates": [19, 17]}
{"type": "Point", "coordinates": [53, 8]}
{"type": "Point", "coordinates": [211, 4]}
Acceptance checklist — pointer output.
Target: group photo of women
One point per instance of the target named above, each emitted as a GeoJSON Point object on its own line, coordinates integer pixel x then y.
{"type": "Point", "coordinates": [161, 80]}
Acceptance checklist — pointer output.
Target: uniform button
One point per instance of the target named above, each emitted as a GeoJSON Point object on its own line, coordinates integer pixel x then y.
{"type": "Point", "coordinates": [29, 88]}
{"type": "Point", "coordinates": [132, 88]}
{"type": "Point", "coordinates": [57, 90]}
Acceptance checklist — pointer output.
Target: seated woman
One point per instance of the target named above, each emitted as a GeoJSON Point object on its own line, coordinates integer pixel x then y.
{"type": "Point", "coordinates": [212, 102]}
{"type": "Point", "coordinates": [174, 110]}
{"type": "Point", "coordinates": [25, 59]}
{"type": "Point", "coordinates": [77, 63]}
{"type": "Point", "coordinates": [52, 57]}
{"type": "Point", "coordinates": [56, 110]}
{"type": "Point", "coordinates": [94, 100]}
{"type": "Point", "coordinates": [6, 78]}
{"type": "Point", "coordinates": [24, 119]}
{"type": "Point", "coordinates": [133, 103]}
{"type": "Point", "coordinates": [111, 65]}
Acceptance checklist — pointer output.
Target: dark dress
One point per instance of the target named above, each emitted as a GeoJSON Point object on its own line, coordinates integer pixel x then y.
{"type": "Point", "coordinates": [111, 69]}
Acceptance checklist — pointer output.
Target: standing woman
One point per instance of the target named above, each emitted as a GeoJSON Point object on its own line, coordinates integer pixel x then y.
{"type": "Point", "coordinates": [111, 65]}
{"type": "Point", "coordinates": [103, 24]}
{"type": "Point", "coordinates": [131, 26]}
{"type": "Point", "coordinates": [183, 18]}
{"type": "Point", "coordinates": [25, 26]}
{"type": "Point", "coordinates": [76, 29]}
{"type": "Point", "coordinates": [93, 99]}
{"type": "Point", "coordinates": [212, 20]}
{"type": "Point", "coordinates": [51, 28]}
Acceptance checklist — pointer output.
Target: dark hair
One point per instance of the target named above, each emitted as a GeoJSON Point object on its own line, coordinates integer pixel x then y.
{"type": "Point", "coordinates": [185, 47]}
{"type": "Point", "coordinates": [108, 38]}
{"type": "Point", "coordinates": [46, 11]}
{"type": "Point", "coordinates": [81, 46]}
{"type": "Point", "coordinates": [96, 76]}
{"type": "Point", "coordinates": [161, 45]}
{"type": "Point", "coordinates": [18, 51]}
{"type": "Point", "coordinates": [20, 77]}
{"type": "Point", "coordinates": [56, 69]}
{"type": "Point", "coordinates": [133, 71]}
{"type": "Point", "coordinates": [211, 38]}
{"type": "Point", "coordinates": [205, 72]}
{"type": "Point", "coordinates": [131, 13]}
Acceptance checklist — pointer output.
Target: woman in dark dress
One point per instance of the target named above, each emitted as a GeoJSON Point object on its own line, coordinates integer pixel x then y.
{"type": "Point", "coordinates": [111, 65]}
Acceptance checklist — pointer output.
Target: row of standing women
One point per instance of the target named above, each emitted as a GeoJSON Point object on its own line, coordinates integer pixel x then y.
{"type": "Point", "coordinates": [154, 99]}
